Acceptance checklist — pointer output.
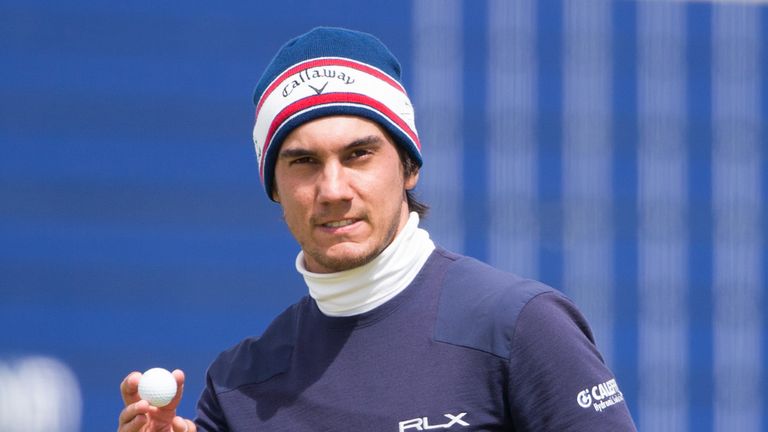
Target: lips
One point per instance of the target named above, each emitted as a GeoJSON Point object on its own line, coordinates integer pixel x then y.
{"type": "Point", "coordinates": [339, 223]}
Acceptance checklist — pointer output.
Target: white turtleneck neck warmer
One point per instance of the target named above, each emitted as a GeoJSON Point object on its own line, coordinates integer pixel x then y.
{"type": "Point", "coordinates": [362, 289]}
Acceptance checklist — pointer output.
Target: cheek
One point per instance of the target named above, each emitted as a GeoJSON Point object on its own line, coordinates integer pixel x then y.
{"type": "Point", "coordinates": [296, 225]}
{"type": "Point", "coordinates": [389, 191]}
{"type": "Point", "coordinates": [296, 202]}
{"type": "Point", "coordinates": [294, 210]}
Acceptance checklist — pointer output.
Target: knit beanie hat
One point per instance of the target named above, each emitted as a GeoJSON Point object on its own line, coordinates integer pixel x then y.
{"type": "Point", "coordinates": [325, 72]}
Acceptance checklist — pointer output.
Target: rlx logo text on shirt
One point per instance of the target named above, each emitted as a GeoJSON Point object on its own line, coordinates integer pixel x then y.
{"type": "Point", "coordinates": [422, 423]}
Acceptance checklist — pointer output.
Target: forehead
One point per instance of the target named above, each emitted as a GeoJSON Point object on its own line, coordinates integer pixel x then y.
{"type": "Point", "coordinates": [333, 131]}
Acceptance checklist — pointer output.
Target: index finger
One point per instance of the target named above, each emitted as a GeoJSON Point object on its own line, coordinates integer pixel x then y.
{"type": "Point", "coordinates": [129, 388]}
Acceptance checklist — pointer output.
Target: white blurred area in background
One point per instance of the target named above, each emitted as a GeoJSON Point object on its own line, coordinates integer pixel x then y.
{"type": "Point", "coordinates": [38, 394]}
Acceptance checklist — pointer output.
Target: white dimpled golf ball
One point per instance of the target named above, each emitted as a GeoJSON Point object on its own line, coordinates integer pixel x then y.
{"type": "Point", "coordinates": [157, 386]}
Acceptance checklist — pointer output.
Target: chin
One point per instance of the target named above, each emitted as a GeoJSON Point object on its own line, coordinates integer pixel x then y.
{"type": "Point", "coordinates": [344, 260]}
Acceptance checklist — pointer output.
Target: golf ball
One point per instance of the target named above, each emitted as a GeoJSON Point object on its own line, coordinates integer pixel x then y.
{"type": "Point", "coordinates": [157, 386]}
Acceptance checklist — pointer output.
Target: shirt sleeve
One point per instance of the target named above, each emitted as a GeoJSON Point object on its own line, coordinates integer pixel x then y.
{"type": "Point", "coordinates": [210, 417]}
{"type": "Point", "coordinates": [558, 380]}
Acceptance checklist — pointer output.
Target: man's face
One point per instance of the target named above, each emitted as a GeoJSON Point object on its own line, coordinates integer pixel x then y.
{"type": "Point", "coordinates": [341, 184]}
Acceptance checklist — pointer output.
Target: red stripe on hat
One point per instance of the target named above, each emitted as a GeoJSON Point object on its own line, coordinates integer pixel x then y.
{"type": "Point", "coordinates": [327, 61]}
{"type": "Point", "coordinates": [316, 101]}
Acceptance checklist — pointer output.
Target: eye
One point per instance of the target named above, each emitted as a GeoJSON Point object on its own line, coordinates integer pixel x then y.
{"type": "Point", "coordinates": [359, 153]}
{"type": "Point", "coordinates": [302, 160]}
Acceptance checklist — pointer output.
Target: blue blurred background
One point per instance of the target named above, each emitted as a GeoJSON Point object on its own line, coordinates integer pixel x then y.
{"type": "Point", "coordinates": [614, 150]}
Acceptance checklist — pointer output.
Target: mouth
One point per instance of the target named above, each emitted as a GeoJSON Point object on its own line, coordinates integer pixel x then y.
{"type": "Point", "coordinates": [339, 223]}
{"type": "Point", "coordinates": [339, 227]}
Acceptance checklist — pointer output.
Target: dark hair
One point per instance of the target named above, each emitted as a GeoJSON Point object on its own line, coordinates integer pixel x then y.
{"type": "Point", "coordinates": [410, 168]}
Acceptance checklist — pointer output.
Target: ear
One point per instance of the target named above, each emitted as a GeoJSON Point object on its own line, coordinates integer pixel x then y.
{"type": "Point", "coordinates": [411, 180]}
{"type": "Point", "coordinates": [275, 195]}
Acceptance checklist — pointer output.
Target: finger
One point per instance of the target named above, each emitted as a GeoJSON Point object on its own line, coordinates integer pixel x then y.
{"type": "Point", "coordinates": [133, 416]}
{"type": "Point", "coordinates": [179, 375]}
{"type": "Point", "coordinates": [131, 411]}
{"type": "Point", "coordinates": [129, 388]}
{"type": "Point", "coordinates": [134, 425]}
{"type": "Point", "coordinates": [183, 425]}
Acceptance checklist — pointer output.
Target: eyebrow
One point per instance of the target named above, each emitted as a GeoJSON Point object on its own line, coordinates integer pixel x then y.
{"type": "Point", "coordinates": [367, 141]}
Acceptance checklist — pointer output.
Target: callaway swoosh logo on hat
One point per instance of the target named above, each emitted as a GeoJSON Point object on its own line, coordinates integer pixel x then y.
{"type": "Point", "coordinates": [318, 91]}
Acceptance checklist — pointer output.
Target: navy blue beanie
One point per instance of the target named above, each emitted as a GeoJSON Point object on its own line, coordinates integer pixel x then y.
{"type": "Point", "coordinates": [330, 71]}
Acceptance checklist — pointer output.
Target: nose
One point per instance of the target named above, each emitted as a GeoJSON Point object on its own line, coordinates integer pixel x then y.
{"type": "Point", "coordinates": [333, 184]}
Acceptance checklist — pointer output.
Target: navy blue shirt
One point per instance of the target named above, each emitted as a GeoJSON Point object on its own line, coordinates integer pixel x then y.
{"type": "Point", "coordinates": [465, 347]}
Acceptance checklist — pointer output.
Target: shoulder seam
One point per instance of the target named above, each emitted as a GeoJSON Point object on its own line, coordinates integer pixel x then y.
{"type": "Point", "coordinates": [470, 348]}
{"type": "Point", "coordinates": [248, 384]}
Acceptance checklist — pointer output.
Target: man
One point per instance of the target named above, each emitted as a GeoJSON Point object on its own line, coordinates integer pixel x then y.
{"type": "Point", "coordinates": [396, 334]}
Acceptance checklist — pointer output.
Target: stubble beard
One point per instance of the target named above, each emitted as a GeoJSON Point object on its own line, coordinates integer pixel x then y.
{"type": "Point", "coordinates": [337, 264]}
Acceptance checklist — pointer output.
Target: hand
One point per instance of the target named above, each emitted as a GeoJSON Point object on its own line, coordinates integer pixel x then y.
{"type": "Point", "coordinates": [139, 416]}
